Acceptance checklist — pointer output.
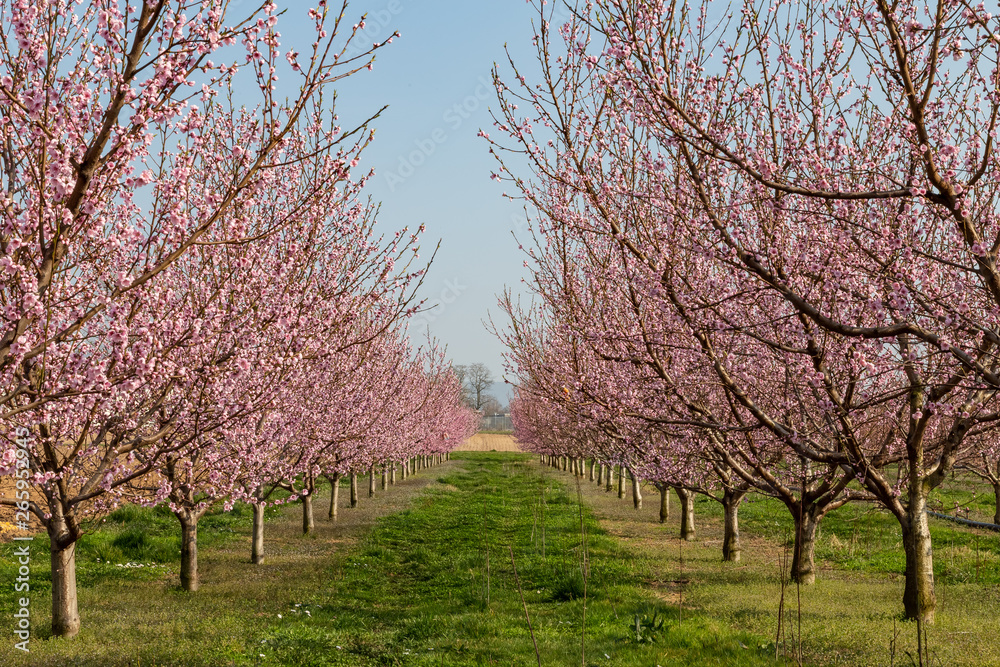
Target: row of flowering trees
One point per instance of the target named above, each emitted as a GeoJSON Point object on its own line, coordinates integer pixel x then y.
{"type": "Point", "coordinates": [766, 255]}
{"type": "Point", "coordinates": [195, 306]}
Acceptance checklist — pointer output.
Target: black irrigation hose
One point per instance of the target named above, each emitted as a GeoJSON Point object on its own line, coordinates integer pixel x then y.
{"type": "Point", "coordinates": [966, 522]}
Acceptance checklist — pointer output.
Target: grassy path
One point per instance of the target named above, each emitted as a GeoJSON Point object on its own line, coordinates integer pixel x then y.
{"type": "Point", "coordinates": [434, 585]}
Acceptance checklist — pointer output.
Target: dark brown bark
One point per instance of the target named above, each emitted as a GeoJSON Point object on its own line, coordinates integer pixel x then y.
{"type": "Point", "coordinates": [996, 503]}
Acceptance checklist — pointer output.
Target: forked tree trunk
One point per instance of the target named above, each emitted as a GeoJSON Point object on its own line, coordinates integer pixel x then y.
{"type": "Point", "coordinates": [804, 551]}
{"type": "Point", "coordinates": [687, 513]}
{"type": "Point", "coordinates": [731, 549]}
{"type": "Point", "coordinates": [918, 593]}
{"type": "Point", "coordinates": [636, 493]}
{"type": "Point", "coordinates": [621, 482]}
{"type": "Point", "coordinates": [664, 490]}
{"type": "Point", "coordinates": [189, 550]}
{"type": "Point", "coordinates": [371, 482]}
{"type": "Point", "coordinates": [65, 610]}
{"type": "Point", "coordinates": [354, 489]}
{"type": "Point", "coordinates": [257, 540]}
{"type": "Point", "coordinates": [334, 494]}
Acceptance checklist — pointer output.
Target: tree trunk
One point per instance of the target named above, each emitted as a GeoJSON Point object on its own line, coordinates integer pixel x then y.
{"type": "Point", "coordinates": [189, 551]}
{"type": "Point", "coordinates": [257, 540]}
{"type": "Point", "coordinates": [600, 475]}
{"type": "Point", "coordinates": [371, 482]}
{"type": "Point", "coordinates": [664, 502]}
{"type": "Point", "coordinates": [803, 553]}
{"type": "Point", "coordinates": [731, 538]}
{"type": "Point", "coordinates": [354, 489]}
{"type": "Point", "coordinates": [687, 513]}
{"type": "Point", "coordinates": [609, 484]}
{"type": "Point", "coordinates": [385, 477]}
{"type": "Point", "coordinates": [334, 495]}
{"type": "Point", "coordinates": [65, 611]}
{"type": "Point", "coordinates": [636, 493]}
{"type": "Point", "coordinates": [621, 482]}
{"type": "Point", "coordinates": [308, 523]}
{"type": "Point", "coordinates": [918, 593]}
{"type": "Point", "coordinates": [996, 502]}
{"type": "Point", "coordinates": [593, 466]}
{"type": "Point", "coordinates": [392, 474]}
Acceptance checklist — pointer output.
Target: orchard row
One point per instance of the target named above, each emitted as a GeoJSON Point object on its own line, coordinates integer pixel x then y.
{"type": "Point", "coordinates": [766, 253]}
{"type": "Point", "coordinates": [197, 308]}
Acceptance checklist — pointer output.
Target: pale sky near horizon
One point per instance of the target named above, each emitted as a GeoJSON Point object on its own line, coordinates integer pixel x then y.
{"type": "Point", "coordinates": [430, 165]}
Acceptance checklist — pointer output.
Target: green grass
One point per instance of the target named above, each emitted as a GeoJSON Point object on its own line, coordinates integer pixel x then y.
{"type": "Point", "coordinates": [412, 590]}
{"type": "Point", "coordinates": [865, 538]}
{"type": "Point", "coordinates": [853, 612]}
{"type": "Point", "coordinates": [416, 591]}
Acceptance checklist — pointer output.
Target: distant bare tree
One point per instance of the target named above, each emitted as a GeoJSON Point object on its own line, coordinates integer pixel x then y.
{"type": "Point", "coordinates": [478, 378]}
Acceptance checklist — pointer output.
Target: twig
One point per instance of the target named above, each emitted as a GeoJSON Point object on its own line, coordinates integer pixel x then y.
{"type": "Point", "coordinates": [584, 569]}
{"type": "Point", "coordinates": [538, 656]}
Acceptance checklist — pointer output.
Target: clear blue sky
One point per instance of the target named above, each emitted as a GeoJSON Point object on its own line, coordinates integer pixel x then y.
{"type": "Point", "coordinates": [431, 167]}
